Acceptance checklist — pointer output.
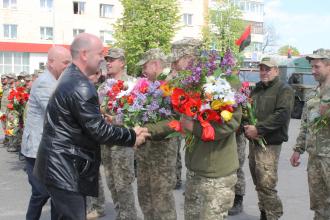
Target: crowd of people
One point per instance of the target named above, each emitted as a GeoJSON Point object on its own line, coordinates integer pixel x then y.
{"type": "Point", "coordinates": [68, 133]}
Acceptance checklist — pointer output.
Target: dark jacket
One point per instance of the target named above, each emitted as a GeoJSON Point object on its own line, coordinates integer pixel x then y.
{"type": "Point", "coordinates": [216, 158]}
{"type": "Point", "coordinates": [273, 106]}
{"type": "Point", "coordinates": [69, 151]}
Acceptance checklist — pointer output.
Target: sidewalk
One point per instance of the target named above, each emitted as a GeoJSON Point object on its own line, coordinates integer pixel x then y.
{"type": "Point", "coordinates": [292, 187]}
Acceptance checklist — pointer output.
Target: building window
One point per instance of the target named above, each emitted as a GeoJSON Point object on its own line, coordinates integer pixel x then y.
{"type": "Point", "coordinates": [9, 4]}
{"type": "Point", "coordinates": [77, 31]}
{"type": "Point", "coordinates": [79, 8]}
{"type": "Point", "coordinates": [187, 19]}
{"type": "Point", "coordinates": [14, 62]}
{"type": "Point", "coordinates": [257, 28]}
{"type": "Point", "coordinates": [46, 33]}
{"type": "Point", "coordinates": [106, 37]}
{"type": "Point", "coordinates": [46, 4]}
{"type": "Point", "coordinates": [10, 31]}
{"type": "Point", "coordinates": [106, 10]}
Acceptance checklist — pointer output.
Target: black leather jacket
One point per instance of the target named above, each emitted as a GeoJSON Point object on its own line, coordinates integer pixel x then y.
{"type": "Point", "coordinates": [69, 151]}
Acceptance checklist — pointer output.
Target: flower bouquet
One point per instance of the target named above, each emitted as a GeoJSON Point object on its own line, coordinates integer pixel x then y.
{"type": "Point", "coordinates": [203, 92]}
{"type": "Point", "coordinates": [143, 102]}
{"type": "Point", "coordinates": [248, 109]}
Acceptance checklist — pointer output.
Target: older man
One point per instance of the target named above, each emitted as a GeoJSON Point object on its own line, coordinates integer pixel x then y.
{"type": "Point", "coordinates": [273, 100]}
{"type": "Point", "coordinates": [58, 59]}
{"type": "Point", "coordinates": [68, 158]}
{"type": "Point", "coordinates": [316, 140]}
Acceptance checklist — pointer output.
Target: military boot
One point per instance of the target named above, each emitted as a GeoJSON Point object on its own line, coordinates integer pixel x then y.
{"type": "Point", "coordinates": [263, 215]}
{"type": "Point", "coordinates": [237, 207]}
{"type": "Point", "coordinates": [13, 149]}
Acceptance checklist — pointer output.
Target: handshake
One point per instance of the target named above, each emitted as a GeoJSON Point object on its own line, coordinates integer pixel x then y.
{"type": "Point", "coordinates": [141, 135]}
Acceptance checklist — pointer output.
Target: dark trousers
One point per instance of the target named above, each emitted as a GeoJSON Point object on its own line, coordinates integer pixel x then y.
{"type": "Point", "coordinates": [39, 194]}
{"type": "Point", "coordinates": [69, 205]}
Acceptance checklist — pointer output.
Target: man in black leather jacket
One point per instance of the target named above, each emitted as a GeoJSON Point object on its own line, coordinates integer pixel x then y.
{"type": "Point", "coordinates": [69, 153]}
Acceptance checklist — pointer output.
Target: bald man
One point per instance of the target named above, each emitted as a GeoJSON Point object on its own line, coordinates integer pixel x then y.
{"type": "Point", "coordinates": [68, 158]}
{"type": "Point", "coordinates": [58, 59]}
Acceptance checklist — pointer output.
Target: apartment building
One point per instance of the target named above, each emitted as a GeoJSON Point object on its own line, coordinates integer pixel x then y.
{"type": "Point", "coordinates": [29, 28]}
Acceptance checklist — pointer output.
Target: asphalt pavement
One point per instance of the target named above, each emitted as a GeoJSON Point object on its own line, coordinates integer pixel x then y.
{"type": "Point", "coordinates": [292, 188]}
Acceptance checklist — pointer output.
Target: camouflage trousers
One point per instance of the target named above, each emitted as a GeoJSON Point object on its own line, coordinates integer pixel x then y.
{"type": "Point", "coordinates": [118, 165]}
{"type": "Point", "coordinates": [241, 145]}
{"type": "Point", "coordinates": [96, 203]}
{"type": "Point", "coordinates": [263, 166]}
{"type": "Point", "coordinates": [208, 198]}
{"type": "Point", "coordinates": [318, 170]}
{"type": "Point", "coordinates": [15, 140]}
{"type": "Point", "coordinates": [156, 178]}
{"type": "Point", "coordinates": [178, 163]}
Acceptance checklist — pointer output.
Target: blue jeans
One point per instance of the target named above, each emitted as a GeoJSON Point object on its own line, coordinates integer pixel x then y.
{"type": "Point", "coordinates": [39, 194]}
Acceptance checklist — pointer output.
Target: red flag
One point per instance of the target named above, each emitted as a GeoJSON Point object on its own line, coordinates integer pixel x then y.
{"type": "Point", "coordinates": [245, 39]}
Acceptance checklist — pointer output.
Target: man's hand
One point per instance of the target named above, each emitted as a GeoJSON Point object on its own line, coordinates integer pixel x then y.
{"type": "Point", "coordinates": [251, 131]}
{"type": "Point", "coordinates": [141, 135]}
{"type": "Point", "coordinates": [324, 108]}
{"type": "Point", "coordinates": [108, 118]}
{"type": "Point", "coordinates": [187, 123]}
{"type": "Point", "coordinates": [295, 159]}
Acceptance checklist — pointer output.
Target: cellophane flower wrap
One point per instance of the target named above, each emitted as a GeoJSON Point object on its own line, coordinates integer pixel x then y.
{"type": "Point", "coordinates": [141, 102]}
{"type": "Point", "coordinates": [203, 92]}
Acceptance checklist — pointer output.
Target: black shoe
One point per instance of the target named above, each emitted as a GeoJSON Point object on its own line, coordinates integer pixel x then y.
{"type": "Point", "coordinates": [263, 215]}
{"type": "Point", "coordinates": [178, 184]}
{"type": "Point", "coordinates": [237, 207]}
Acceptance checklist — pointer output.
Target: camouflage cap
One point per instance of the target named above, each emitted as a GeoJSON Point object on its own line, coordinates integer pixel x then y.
{"type": "Point", "coordinates": [152, 54]}
{"type": "Point", "coordinates": [268, 61]}
{"type": "Point", "coordinates": [319, 54]}
{"type": "Point", "coordinates": [23, 74]}
{"type": "Point", "coordinates": [11, 76]}
{"type": "Point", "coordinates": [3, 76]}
{"type": "Point", "coordinates": [28, 77]}
{"type": "Point", "coordinates": [115, 53]}
{"type": "Point", "coordinates": [187, 46]}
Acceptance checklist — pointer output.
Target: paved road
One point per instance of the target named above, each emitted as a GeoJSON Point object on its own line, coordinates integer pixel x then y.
{"type": "Point", "coordinates": [292, 187]}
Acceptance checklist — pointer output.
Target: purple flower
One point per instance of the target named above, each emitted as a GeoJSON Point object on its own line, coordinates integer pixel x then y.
{"type": "Point", "coordinates": [228, 59]}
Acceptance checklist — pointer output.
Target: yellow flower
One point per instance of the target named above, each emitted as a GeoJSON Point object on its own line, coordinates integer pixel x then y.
{"type": "Point", "coordinates": [216, 104]}
{"type": "Point", "coordinates": [9, 132]}
{"type": "Point", "coordinates": [226, 115]}
{"type": "Point", "coordinates": [166, 89]}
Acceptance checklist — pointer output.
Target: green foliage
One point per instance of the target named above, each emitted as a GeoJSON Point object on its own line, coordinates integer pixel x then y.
{"type": "Point", "coordinates": [145, 24]}
{"type": "Point", "coordinates": [284, 50]}
{"type": "Point", "coordinates": [225, 27]}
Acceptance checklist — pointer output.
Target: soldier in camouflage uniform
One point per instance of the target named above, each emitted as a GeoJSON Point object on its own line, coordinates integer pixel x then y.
{"type": "Point", "coordinates": [316, 139]}
{"type": "Point", "coordinates": [273, 100]}
{"type": "Point", "coordinates": [12, 117]}
{"type": "Point", "coordinates": [118, 161]}
{"type": "Point", "coordinates": [156, 159]}
{"type": "Point", "coordinates": [183, 52]}
{"type": "Point", "coordinates": [4, 87]}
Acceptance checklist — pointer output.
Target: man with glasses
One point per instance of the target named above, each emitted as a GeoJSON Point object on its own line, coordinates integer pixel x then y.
{"type": "Point", "coordinates": [273, 101]}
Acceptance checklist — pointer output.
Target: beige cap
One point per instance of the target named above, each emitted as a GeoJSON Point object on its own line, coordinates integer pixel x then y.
{"type": "Point", "coordinates": [152, 54]}
{"type": "Point", "coordinates": [116, 53]}
{"type": "Point", "coordinates": [11, 76]}
{"type": "Point", "coordinates": [319, 54]}
{"type": "Point", "coordinates": [188, 46]}
{"type": "Point", "coordinates": [268, 61]}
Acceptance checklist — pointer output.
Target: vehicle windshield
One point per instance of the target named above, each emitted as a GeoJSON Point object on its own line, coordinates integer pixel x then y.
{"type": "Point", "coordinates": [249, 76]}
{"type": "Point", "coordinates": [308, 79]}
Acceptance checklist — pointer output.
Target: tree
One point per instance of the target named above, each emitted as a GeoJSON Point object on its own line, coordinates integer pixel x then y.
{"type": "Point", "coordinates": [270, 38]}
{"type": "Point", "coordinates": [284, 50]}
{"type": "Point", "coordinates": [145, 24]}
{"type": "Point", "coordinates": [224, 28]}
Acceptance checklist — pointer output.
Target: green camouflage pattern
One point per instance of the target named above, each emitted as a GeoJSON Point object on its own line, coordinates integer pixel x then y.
{"type": "Point", "coordinates": [241, 146]}
{"type": "Point", "coordinates": [156, 178]}
{"type": "Point", "coordinates": [208, 198]}
{"type": "Point", "coordinates": [263, 166]}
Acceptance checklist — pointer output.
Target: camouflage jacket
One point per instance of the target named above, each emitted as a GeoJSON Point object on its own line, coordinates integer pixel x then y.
{"type": "Point", "coordinates": [315, 143]}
